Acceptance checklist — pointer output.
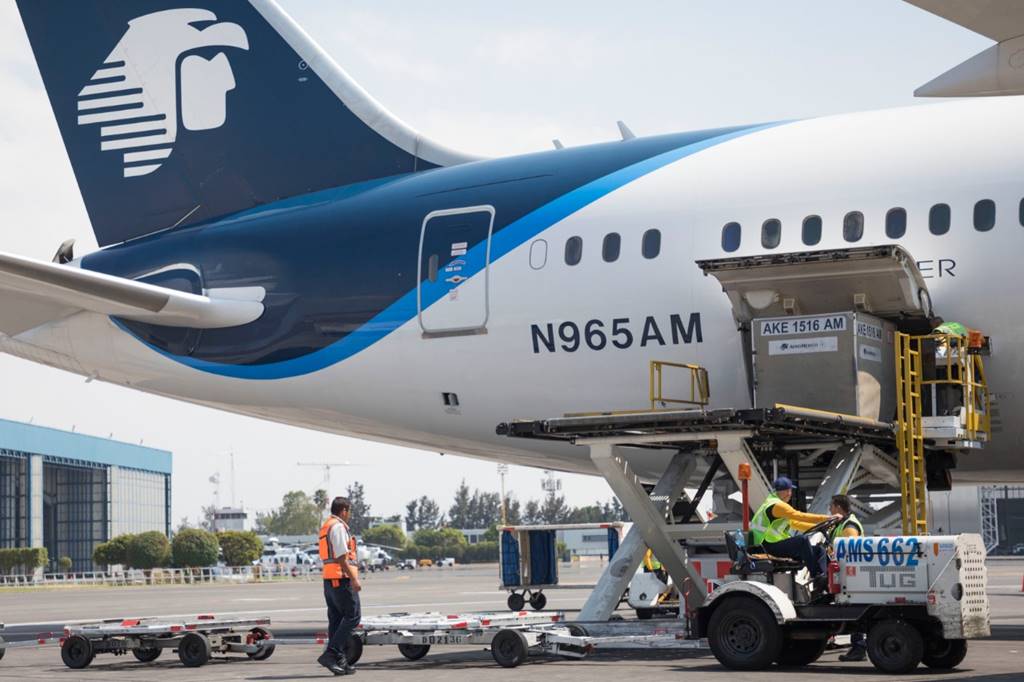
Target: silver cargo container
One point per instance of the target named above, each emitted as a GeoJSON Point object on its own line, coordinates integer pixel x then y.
{"type": "Point", "coordinates": [839, 362]}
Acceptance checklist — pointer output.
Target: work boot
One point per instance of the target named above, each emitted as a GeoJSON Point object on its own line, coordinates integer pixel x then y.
{"type": "Point", "coordinates": [349, 668]}
{"type": "Point", "coordinates": [329, 660]}
{"type": "Point", "coordinates": [856, 653]}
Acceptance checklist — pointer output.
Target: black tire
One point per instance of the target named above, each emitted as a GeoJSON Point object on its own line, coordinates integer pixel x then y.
{"type": "Point", "coordinates": [577, 630]}
{"type": "Point", "coordinates": [353, 650]}
{"type": "Point", "coordinates": [509, 648]}
{"type": "Point", "coordinates": [944, 654]}
{"type": "Point", "coordinates": [260, 634]}
{"type": "Point", "coordinates": [516, 602]}
{"type": "Point", "coordinates": [644, 614]}
{"type": "Point", "coordinates": [538, 601]}
{"type": "Point", "coordinates": [413, 652]}
{"type": "Point", "coordinates": [76, 652]}
{"type": "Point", "coordinates": [194, 650]}
{"type": "Point", "coordinates": [2, 649]}
{"type": "Point", "coordinates": [146, 655]}
{"type": "Point", "coordinates": [895, 647]}
{"type": "Point", "coordinates": [744, 635]}
{"type": "Point", "coordinates": [800, 652]}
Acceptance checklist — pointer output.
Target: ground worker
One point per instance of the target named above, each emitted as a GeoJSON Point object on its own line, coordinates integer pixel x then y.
{"type": "Point", "coordinates": [771, 528]}
{"type": "Point", "coordinates": [850, 528]}
{"type": "Point", "coordinates": [652, 565]}
{"type": "Point", "coordinates": [341, 586]}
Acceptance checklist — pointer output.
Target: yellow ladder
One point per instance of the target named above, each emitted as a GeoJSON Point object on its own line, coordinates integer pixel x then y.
{"type": "Point", "coordinates": [909, 436]}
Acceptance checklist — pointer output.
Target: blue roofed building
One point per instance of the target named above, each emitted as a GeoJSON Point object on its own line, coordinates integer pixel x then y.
{"type": "Point", "coordinates": [69, 492]}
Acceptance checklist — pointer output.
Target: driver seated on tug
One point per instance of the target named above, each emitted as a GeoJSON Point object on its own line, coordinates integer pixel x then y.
{"type": "Point", "coordinates": [773, 525]}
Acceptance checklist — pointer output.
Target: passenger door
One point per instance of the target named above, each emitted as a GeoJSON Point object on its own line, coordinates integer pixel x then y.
{"type": "Point", "coordinates": [454, 271]}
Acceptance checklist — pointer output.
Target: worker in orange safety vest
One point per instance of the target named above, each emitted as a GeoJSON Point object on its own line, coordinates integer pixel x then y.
{"type": "Point", "coordinates": [341, 586]}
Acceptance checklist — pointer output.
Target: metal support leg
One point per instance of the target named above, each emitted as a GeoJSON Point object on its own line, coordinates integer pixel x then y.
{"type": "Point", "coordinates": [616, 576]}
{"type": "Point", "coordinates": [840, 473]}
{"type": "Point", "coordinates": [732, 448]}
{"type": "Point", "coordinates": [648, 515]}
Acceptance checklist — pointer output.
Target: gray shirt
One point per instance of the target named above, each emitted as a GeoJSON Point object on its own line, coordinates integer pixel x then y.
{"type": "Point", "coordinates": [337, 540]}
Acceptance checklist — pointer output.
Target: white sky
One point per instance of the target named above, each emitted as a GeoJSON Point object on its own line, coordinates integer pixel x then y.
{"type": "Point", "coordinates": [487, 78]}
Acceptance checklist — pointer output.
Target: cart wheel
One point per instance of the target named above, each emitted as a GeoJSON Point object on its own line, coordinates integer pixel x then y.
{"type": "Point", "coordinates": [147, 655]}
{"type": "Point", "coordinates": [577, 630]}
{"type": "Point", "coordinates": [258, 635]}
{"type": "Point", "coordinates": [353, 649]}
{"type": "Point", "coordinates": [796, 653]}
{"type": "Point", "coordinates": [194, 650]}
{"type": "Point", "coordinates": [895, 647]}
{"type": "Point", "coordinates": [538, 601]}
{"type": "Point", "coordinates": [644, 614]}
{"type": "Point", "coordinates": [516, 602]}
{"type": "Point", "coordinates": [944, 654]}
{"type": "Point", "coordinates": [2, 649]}
{"type": "Point", "coordinates": [509, 648]}
{"type": "Point", "coordinates": [76, 652]}
{"type": "Point", "coordinates": [413, 652]}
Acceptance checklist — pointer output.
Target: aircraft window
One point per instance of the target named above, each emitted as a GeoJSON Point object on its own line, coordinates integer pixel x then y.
{"type": "Point", "coordinates": [538, 254]}
{"type": "Point", "coordinates": [938, 219]}
{"type": "Point", "coordinates": [611, 246]}
{"type": "Point", "coordinates": [811, 232]}
{"type": "Point", "coordinates": [853, 226]}
{"type": "Point", "coordinates": [984, 215]}
{"type": "Point", "coordinates": [895, 223]}
{"type": "Point", "coordinates": [771, 233]}
{"type": "Point", "coordinates": [731, 237]}
{"type": "Point", "coordinates": [573, 250]}
{"type": "Point", "coordinates": [651, 245]}
{"type": "Point", "coordinates": [432, 268]}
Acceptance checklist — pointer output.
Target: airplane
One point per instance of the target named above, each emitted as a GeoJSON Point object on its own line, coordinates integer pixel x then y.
{"type": "Point", "coordinates": [276, 244]}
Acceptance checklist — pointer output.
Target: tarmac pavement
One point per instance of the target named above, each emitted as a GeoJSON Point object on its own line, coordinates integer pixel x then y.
{"type": "Point", "coordinates": [296, 610]}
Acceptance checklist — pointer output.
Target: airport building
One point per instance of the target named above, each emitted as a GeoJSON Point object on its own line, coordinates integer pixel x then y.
{"type": "Point", "coordinates": [69, 492]}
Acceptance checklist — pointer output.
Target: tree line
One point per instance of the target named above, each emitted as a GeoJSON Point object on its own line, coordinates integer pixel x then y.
{"type": "Point", "coordinates": [191, 548]}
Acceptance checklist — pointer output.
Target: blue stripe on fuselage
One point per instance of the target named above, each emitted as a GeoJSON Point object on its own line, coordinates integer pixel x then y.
{"type": "Point", "coordinates": [503, 241]}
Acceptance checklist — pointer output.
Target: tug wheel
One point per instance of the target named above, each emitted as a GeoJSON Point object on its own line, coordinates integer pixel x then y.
{"type": "Point", "coordinates": [744, 635]}
{"type": "Point", "coordinates": [895, 647]}
{"type": "Point", "coordinates": [944, 654]}
{"type": "Point", "coordinates": [797, 653]}
{"type": "Point", "coordinates": [76, 652]}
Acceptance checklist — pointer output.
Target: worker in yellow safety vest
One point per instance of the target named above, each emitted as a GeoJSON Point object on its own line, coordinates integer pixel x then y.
{"type": "Point", "coordinates": [341, 586]}
{"type": "Point", "coordinates": [774, 522]}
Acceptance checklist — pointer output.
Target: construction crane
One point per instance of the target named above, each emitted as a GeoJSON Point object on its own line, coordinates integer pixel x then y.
{"type": "Point", "coordinates": [326, 466]}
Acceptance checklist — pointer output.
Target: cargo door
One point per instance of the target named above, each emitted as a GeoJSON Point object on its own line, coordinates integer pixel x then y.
{"type": "Point", "coordinates": [454, 271]}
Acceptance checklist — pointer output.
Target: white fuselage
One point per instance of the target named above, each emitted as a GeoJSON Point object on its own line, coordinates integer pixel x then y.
{"type": "Point", "coordinates": [955, 153]}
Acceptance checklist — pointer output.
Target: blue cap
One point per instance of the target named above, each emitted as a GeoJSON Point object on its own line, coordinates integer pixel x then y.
{"type": "Point", "coordinates": [783, 483]}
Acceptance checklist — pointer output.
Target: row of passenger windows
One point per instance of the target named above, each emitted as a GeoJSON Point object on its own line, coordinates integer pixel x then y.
{"type": "Point", "coordinates": [611, 247]}
{"type": "Point", "coordinates": [939, 218]}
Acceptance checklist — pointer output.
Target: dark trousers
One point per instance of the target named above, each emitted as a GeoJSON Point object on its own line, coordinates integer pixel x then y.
{"type": "Point", "coordinates": [857, 639]}
{"type": "Point", "coordinates": [800, 548]}
{"type": "Point", "coordinates": [342, 614]}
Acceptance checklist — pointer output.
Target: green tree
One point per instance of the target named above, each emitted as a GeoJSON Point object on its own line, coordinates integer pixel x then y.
{"type": "Point", "coordinates": [422, 513]}
{"type": "Point", "coordinates": [360, 516]}
{"type": "Point", "coordinates": [484, 509]}
{"type": "Point", "coordinates": [459, 512]}
{"type": "Point", "coordinates": [240, 548]}
{"type": "Point", "coordinates": [321, 501]}
{"type": "Point", "coordinates": [297, 515]}
{"type": "Point", "coordinates": [65, 563]}
{"type": "Point", "coordinates": [194, 547]}
{"type": "Point", "coordinates": [554, 509]}
{"type": "Point", "coordinates": [591, 513]}
{"type": "Point", "coordinates": [148, 550]}
{"type": "Point", "coordinates": [114, 551]}
{"type": "Point", "coordinates": [513, 512]}
{"type": "Point", "coordinates": [209, 513]}
{"type": "Point", "coordinates": [387, 535]}
{"type": "Point", "coordinates": [532, 515]}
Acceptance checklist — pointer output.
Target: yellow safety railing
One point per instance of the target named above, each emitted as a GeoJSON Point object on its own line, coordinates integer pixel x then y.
{"type": "Point", "coordinates": [909, 435]}
{"type": "Point", "coordinates": [957, 366]}
{"type": "Point", "coordinates": [700, 389]}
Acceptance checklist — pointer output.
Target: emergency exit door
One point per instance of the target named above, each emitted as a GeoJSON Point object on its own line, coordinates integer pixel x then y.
{"type": "Point", "coordinates": [454, 269]}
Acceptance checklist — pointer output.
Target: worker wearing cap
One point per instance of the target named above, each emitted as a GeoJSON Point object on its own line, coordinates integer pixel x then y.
{"type": "Point", "coordinates": [772, 525]}
{"type": "Point", "coordinates": [850, 528]}
{"type": "Point", "coordinates": [341, 586]}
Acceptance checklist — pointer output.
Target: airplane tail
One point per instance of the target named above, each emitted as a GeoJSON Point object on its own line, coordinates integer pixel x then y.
{"type": "Point", "coordinates": [173, 115]}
